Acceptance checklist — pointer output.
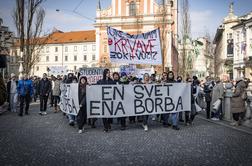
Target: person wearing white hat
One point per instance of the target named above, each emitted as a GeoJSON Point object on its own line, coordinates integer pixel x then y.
{"type": "Point", "coordinates": [12, 91]}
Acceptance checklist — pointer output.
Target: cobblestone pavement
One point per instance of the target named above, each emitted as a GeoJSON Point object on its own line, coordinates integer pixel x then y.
{"type": "Point", "coordinates": [49, 140]}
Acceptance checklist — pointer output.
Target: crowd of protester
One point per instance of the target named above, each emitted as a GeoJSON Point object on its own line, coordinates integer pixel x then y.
{"type": "Point", "coordinates": [206, 95]}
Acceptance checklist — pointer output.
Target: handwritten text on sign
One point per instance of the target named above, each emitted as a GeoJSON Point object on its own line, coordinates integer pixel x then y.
{"type": "Point", "coordinates": [69, 102]}
{"type": "Point", "coordinates": [135, 100]}
{"type": "Point", "coordinates": [134, 49]}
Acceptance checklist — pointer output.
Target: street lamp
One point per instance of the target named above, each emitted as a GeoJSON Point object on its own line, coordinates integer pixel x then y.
{"type": "Point", "coordinates": [21, 69]}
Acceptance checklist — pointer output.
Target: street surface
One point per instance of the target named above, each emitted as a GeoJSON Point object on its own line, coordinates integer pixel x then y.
{"type": "Point", "coordinates": [49, 140]}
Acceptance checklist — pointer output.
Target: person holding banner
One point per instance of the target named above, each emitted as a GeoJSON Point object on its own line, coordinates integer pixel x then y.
{"type": "Point", "coordinates": [190, 115]}
{"type": "Point", "coordinates": [146, 80]}
{"type": "Point", "coordinates": [123, 80]}
{"type": "Point", "coordinates": [106, 80]}
{"type": "Point", "coordinates": [169, 78]}
{"type": "Point", "coordinates": [82, 114]}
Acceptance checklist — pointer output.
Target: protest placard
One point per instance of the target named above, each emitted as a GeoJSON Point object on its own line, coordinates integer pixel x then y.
{"type": "Point", "coordinates": [112, 101]}
{"type": "Point", "coordinates": [93, 74]}
{"type": "Point", "coordinates": [57, 70]}
{"type": "Point", "coordinates": [69, 101]}
{"type": "Point", "coordinates": [142, 48]}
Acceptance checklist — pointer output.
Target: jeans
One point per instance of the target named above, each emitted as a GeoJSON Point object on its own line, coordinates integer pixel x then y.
{"type": "Point", "coordinates": [174, 118]}
{"type": "Point", "coordinates": [56, 101]}
{"type": "Point", "coordinates": [12, 103]}
{"type": "Point", "coordinates": [71, 118]}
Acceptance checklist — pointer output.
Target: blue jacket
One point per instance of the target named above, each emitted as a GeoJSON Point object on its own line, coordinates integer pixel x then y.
{"type": "Point", "coordinates": [24, 87]}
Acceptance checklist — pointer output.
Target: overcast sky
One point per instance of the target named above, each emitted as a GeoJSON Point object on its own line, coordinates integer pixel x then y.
{"type": "Point", "coordinates": [206, 15]}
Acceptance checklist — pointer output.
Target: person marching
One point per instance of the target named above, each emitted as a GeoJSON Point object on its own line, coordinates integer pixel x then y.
{"type": "Point", "coordinates": [12, 91]}
{"type": "Point", "coordinates": [105, 81]}
{"type": "Point", "coordinates": [82, 114]}
{"type": "Point", "coordinates": [56, 92]}
{"type": "Point", "coordinates": [25, 92]}
{"type": "Point", "coordinates": [169, 78]}
{"type": "Point", "coordinates": [44, 90]}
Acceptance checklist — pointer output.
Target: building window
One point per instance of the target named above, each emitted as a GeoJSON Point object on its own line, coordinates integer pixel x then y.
{"type": "Point", "coordinates": [47, 49]}
{"type": "Point", "coordinates": [42, 49]}
{"type": "Point", "coordinates": [75, 57]}
{"type": "Point", "coordinates": [105, 48]}
{"type": "Point", "coordinates": [56, 49]}
{"type": "Point", "coordinates": [132, 8]}
{"type": "Point", "coordinates": [75, 67]}
{"type": "Point", "coordinates": [93, 47]}
{"type": "Point", "coordinates": [66, 58]}
{"type": "Point", "coordinates": [93, 57]}
{"type": "Point", "coordinates": [56, 58]}
{"type": "Point", "coordinates": [75, 48]}
{"type": "Point", "coordinates": [85, 57]}
{"type": "Point", "coordinates": [37, 68]}
{"type": "Point", "coordinates": [229, 36]}
{"type": "Point", "coordinates": [66, 49]}
{"type": "Point", "coordinates": [84, 48]}
{"type": "Point", "coordinates": [47, 58]}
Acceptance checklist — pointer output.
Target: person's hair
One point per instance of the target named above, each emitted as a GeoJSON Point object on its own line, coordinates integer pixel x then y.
{"type": "Point", "coordinates": [146, 75]}
{"type": "Point", "coordinates": [195, 77]}
{"type": "Point", "coordinates": [83, 77]}
{"type": "Point", "coordinates": [179, 77]}
{"type": "Point", "coordinates": [105, 73]}
{"type": "Point", "coordinates": [116, 73]}
{"type": "Point", "coordinates": [170, 72]}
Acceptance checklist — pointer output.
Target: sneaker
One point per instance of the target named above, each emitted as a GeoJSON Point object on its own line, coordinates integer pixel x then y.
{"type": "Point", "coordinates": [181, 120]}
{"type": "Point", "coordinates": [44, 113]}
{"type": "Point", "coordinates": [234, 123]}
{"type": "Point", "coordinates": [145, 127]}
{"type": "Point", "coordinates": [215, 119]}
{"type": "Point", "coordinates": [105, 130]}
{"type": "Point", "coordinates": [175, 128]}
{"type": "Point", "coordinates": [80, 131]}
{"type": "Point", "coordinates": [71, 123]}
{"type": "Point", "coordinates": [153, 118]}
{"type": "Point", "coordinates": [40, 113]}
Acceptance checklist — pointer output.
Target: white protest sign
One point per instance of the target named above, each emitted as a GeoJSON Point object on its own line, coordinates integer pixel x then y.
{"type": "Point", "coordinates": [93, 74]}
{"type": "Point", "coordinates": [128, 69]}
{"type": "Point", "coordinates": [69, 99]}
{"type": "Point", "coordinates": [110, 101]}
{"type": "Point", "coordinates": [134, 49]}
{"type": "Point", "coordinates": [57, 70]}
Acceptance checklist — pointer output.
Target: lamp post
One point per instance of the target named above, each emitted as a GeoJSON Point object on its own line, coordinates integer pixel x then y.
{"type": "Point", "coordinates": [21, 69]}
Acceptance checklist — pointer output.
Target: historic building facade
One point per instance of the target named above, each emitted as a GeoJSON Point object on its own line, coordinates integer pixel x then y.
{"type": "Point", "coordinates": [71, 49]}
{"type": "Point", "coordinates": [243, 48]}
{"type": "Point", "coordinates": [137, 16]}
{"type": "Point", "coordinates": [231, 40]}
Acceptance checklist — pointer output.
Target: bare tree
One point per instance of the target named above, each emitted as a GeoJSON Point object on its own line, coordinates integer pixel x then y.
{"type": "Point", "coordinates": [185, 34]}
{"type": "Point", "coordinates": [28, 16]}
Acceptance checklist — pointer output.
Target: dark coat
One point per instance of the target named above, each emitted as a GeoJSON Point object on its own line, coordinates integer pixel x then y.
{"type": "Point", "coordinates": [82, 94]}
{"type": "Point", "coordinates": [9, 86]}
{"type": "Point", "coordinates": [44, 87]}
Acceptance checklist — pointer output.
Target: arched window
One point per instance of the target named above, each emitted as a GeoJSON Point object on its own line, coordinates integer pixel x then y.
{"type": "Point", "coordinates": [132, 8]}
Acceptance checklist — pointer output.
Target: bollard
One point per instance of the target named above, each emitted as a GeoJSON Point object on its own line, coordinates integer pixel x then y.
{"type": "Point", "coordinates": [227, 101]}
